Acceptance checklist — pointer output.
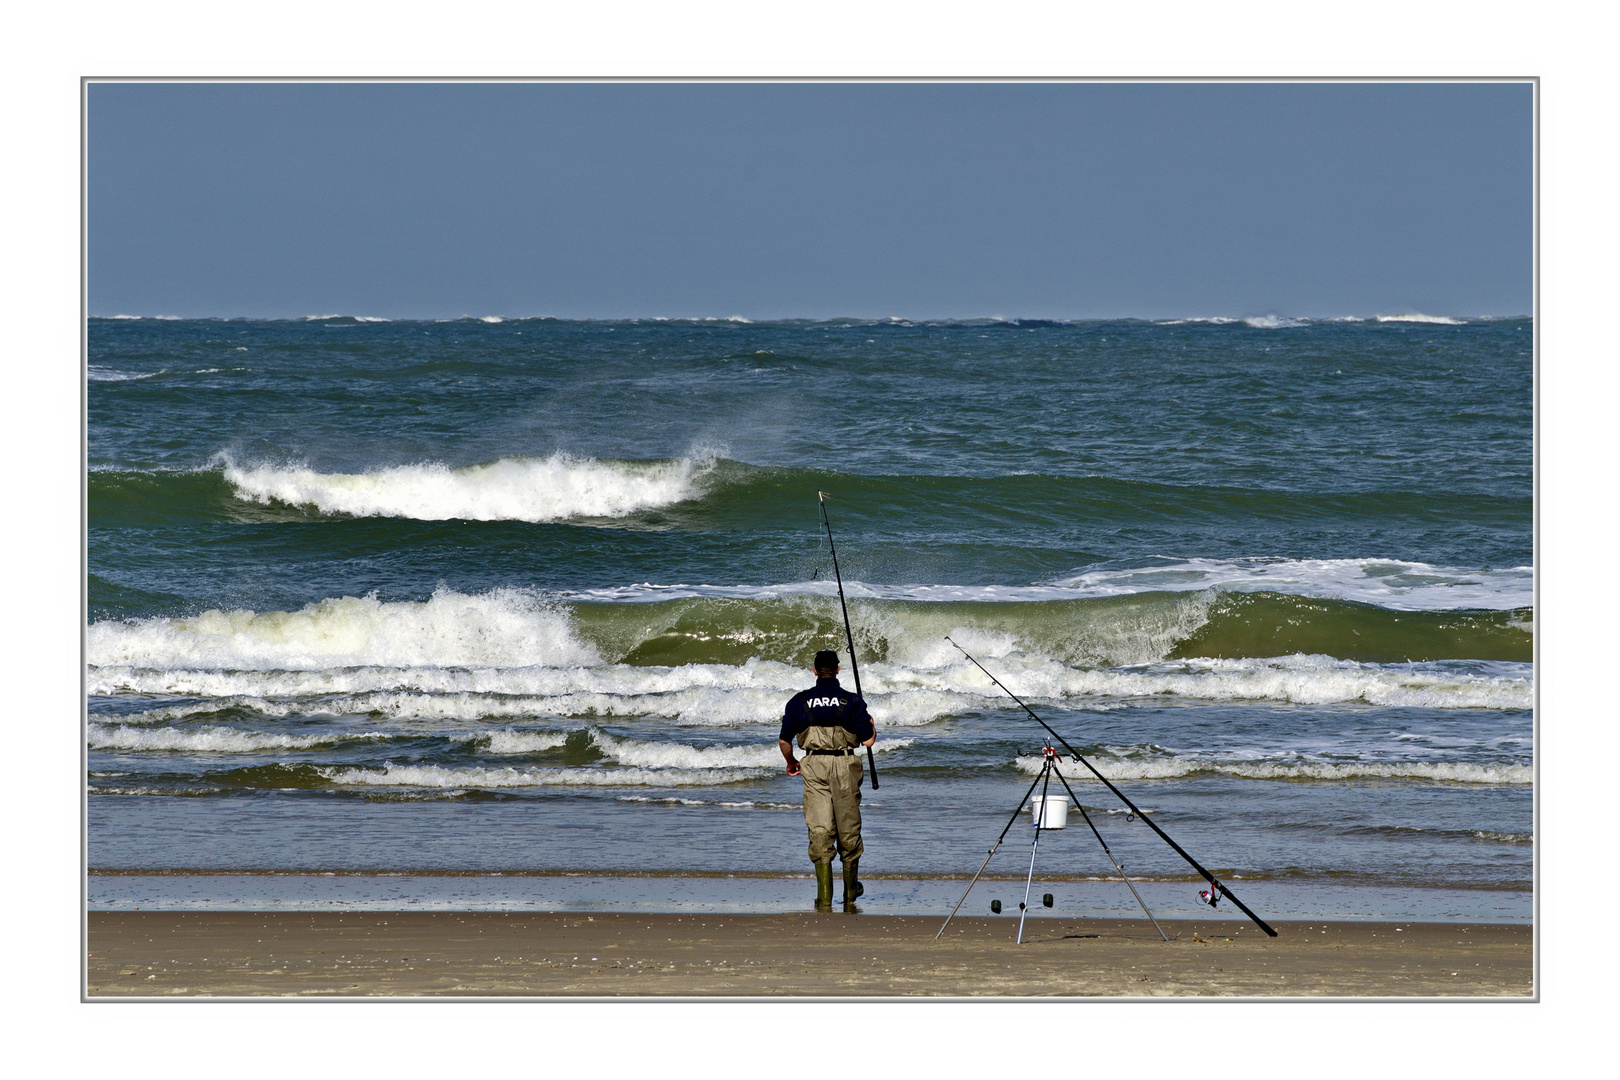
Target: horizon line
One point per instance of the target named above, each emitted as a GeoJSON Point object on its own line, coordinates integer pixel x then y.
{"type": "Point", "coordinates": [743, 320]}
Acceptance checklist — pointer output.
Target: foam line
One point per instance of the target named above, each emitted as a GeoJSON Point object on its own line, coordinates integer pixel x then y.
{"type": "Point", "coordinates": [1173, 768]}
{"type": "Point", "coordinates": [438, 776]}
{"type": "Point", "coordinates": [901, 696]}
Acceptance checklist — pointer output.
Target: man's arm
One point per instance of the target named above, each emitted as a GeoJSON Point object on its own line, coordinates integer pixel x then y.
{"type": "Point", "coordinates": [865, 721]}
{"type": "Point", "coordinates": [787, 752]}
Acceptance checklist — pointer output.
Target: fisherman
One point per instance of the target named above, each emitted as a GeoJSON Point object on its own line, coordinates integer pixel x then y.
{"type": "Point", "coordinates": [829, 723]}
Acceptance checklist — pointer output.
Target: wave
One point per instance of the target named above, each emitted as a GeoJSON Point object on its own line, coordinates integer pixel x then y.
{"type": "Point", "coordinates": [511, 489]}
{"type": "Point", "coordinates": [214, 708]}
{"type": "Point", "coordinates": [213, 740]}
{"type": "Point", "coordinates": [1415, 317]}
{"type": "Point", "coordinates": [657, 755]}
{"type": "Point", "coordinates": [1121, 629]}
{"type": "Point", "coordinates": [105, 374]}
{"type": "Point", "coordinates": [634, 753]}
{"type": "Point", "coordinates": [733, 804]}
{"type": "Point", "coordinates": [520, 742]}
{"type": "Point", "coordinates": [708, 492]}
{"type": "Point", "coordinates": [1173, 768]}
{"type": "Point", "coordinates": [752, 693]}
{"type": "Point", "coordinates": [440, 776]}
{"type": "Point", "coordinates": [516, 629]}
{"type": "Point", "coordinates": [1395, 584]}
{"type": "Point", "coordinates": [504, 628]}
{"type": "Point", "coordinates": [1272, 322]}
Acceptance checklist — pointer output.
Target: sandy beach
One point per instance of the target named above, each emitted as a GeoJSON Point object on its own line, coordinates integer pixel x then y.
{"type": "Point", "coordinates": [486, 954]}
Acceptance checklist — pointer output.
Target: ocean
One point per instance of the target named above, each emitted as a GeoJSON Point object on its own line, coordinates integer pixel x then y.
{"type": "Point", "coordinates": [502, 613]}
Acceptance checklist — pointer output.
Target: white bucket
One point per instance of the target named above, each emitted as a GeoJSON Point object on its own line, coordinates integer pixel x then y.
{"type": "Point", "coordinates": [1057, 811]}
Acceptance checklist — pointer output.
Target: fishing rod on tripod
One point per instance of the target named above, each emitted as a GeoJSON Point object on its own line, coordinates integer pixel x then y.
{"type": "Point", "coordinates": [849, 635]}
{"type": "Point", "coordinates": [1216, 888]}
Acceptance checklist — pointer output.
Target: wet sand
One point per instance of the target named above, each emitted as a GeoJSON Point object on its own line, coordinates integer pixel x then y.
{"type": "Point", "coordinates": [490, 954]}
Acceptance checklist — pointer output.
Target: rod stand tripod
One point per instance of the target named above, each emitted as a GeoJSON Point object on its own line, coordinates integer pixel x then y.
{"type": "Point", "coordinates": [1044, 822]}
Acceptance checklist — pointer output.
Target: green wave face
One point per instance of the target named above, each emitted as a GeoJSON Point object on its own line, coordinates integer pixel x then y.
{"type": "Point", "coordinates": [157, 499]}
{"type": "Point", "coordinates": [1140, 628]}
{"type": "Point", "coordinates": [1273, 624]}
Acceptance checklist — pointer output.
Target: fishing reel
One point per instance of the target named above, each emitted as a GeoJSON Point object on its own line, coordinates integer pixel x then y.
{"type": "Point", "coordinates": [1210, 896]}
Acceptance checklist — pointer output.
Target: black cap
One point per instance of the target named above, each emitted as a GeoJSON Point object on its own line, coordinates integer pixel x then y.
{"type": "Point", "coordinates": [826, 660]}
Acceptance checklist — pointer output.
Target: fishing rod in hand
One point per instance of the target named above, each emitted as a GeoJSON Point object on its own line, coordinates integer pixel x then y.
{"type": "Point", "coordinates": [1215, 885]}
{"type": "Point", "coordinates": [849, 635]}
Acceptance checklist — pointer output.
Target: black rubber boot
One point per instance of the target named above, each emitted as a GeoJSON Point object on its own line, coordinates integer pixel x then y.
{"type": "Point", "coordinates": [852, 887]}
{"type": "Point", "coordinates": [824, 886]}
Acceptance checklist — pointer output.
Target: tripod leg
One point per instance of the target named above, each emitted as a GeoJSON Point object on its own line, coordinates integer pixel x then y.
{"type": "Point", "coordinates": [987, 858]}
{"type": "Point", "coordinates": [1111, 858]}
{"type": "Point", "coordinates": [1023, 909]}
{"type": "Point", "coordinates": [1040, 819]}
{"type": "Point", "coordinates": [1138, 896]}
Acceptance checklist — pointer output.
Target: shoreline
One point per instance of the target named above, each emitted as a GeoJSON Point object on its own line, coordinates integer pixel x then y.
{"type": "Point", "coordinates": [343, 954]}
{"type": "Point", "coordinates": [781, 893]}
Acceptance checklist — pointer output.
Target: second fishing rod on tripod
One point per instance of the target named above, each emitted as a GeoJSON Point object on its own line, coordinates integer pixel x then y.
{"type": "Point", "coordinates": [1050, 814]}
{"type": "Point", "coordinates": [849, 635]}
{"type": "Point", "coordinates": [1217, 889]}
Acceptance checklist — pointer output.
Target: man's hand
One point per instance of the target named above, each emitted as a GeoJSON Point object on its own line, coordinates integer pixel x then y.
{"type": "Point", "coordinates": [870, 741]}
{"type": "Point", "coordinates": [787, 754]}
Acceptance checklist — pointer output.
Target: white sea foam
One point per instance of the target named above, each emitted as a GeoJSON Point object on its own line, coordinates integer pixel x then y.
{"type": "Point", "coordinates": [438, 776]}
{"type": "Point", "coordinates": [660, 755]}
{"type": "Point", "coordinates": [169, 713]}
{"type": "Point", "coordinates": [135, 317]}
{"type": "Point", "coordinates": [514, 654]}
{"type": "Point", "coordinates": [212, 740]}
{"type": "Point", "coordinates": [104, 374]}
{"type": "Point", "coordinates": [511, 489]}
{"type": "Point", "coordinates": [1415, 317]}
{"type": "Point", "coordinates": [520, 742]}
{"type": "Point", "coordinates": [736, 804]}
{"type": "Point", "coordinates": [1171, 768]}
{"type": "Point", "coordinates": [900, 695]}
{"type": "Point", "coordinates": [1272, 322]}
{"type": "Point", "coordinates": [1299, 679]}
{"type": "Point", "coordinates": [697, 706]}
{"type": "Point", "coordinates": [504, 628]}
{"type": "Point", "coordinates": [1389, 583]}
{"type": "Point", "coordinates": [491, 319]}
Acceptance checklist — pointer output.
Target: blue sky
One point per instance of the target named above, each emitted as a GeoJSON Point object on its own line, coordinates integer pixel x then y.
{"type": "Point", "coordinates": [810, 200]}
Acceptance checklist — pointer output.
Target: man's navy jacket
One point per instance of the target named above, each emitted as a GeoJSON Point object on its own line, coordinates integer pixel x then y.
{"type": "Point", "coordinates": [828, 705]}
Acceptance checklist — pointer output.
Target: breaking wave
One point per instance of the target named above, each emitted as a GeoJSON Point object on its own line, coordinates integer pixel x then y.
{"type": "Point", "coordinates": [554, 488]}
{"type": "Point", "coordinates": [504, 628]}
{"type": "Point", "coordinates": [900, 695]}
{"type": "Point", "coordinates": [213, 740]}
{"type": "Point", "coordinates": [1416, 317]}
